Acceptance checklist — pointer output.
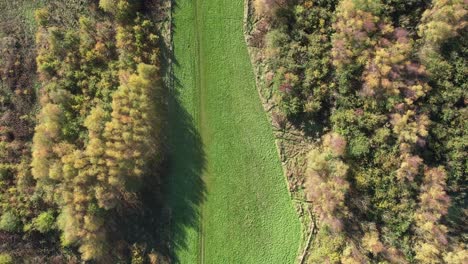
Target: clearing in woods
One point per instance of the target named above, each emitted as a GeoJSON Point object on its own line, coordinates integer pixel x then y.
{"type": "Point", "coordinates": [229, 199]}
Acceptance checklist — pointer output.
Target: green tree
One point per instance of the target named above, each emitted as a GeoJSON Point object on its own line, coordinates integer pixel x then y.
{"type": "Point", "coordinates": [9, 222]}
{"type": "Point", "coordinates": [137, 43]}
{"type": "Point", "coordinates": [123, 10]}
{"type": "Point", "coordinates": [6, 259]}
{"type": "Point", "coordinates": [443, 21]}
{"type": "Point", "coordinates": [44, 222]}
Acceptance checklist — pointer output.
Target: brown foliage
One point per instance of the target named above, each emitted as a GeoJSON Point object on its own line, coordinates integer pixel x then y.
{"type": "Point", "coordinates": [268, 7]}
{"type": "Point", "coordinates": [326, 181]}
{"type": "Point", "coordinates": [353, 39]}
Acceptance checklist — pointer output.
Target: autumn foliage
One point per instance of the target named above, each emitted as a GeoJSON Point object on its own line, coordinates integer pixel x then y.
{"type": "Point", "coordinates": [392, 103]}
{"type": "Point", "coordinates": [97, 135]}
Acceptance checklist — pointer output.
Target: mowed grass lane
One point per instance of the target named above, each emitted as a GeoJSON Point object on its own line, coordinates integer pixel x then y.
{"type": "Point", "coordinates": [230, 204]}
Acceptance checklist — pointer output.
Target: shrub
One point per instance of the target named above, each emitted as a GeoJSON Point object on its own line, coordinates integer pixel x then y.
{"type": "Point", "coordinates": [138, 256]}
{"type": "Point", "coordinates": [9, 222]}
{"type": "Point", "coordinates": [42, 17]}
{"type": "Point", "coordinates": [5, 172]}
{"type": "Point", "coordinates": [268, 7]}
{"type": "Point", "coordinates": [45, 222]}
{"type": "Point", "coordinates": [123, 10]}
{"type": "Point", "coordinates": [5, 259]}
{"type": "Point", "coordinates": [359, 146]}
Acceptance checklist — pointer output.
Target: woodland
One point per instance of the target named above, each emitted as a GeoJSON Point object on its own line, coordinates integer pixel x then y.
{"type": "Point", "coordinates": [82, 142]}
{"type": "Point", "coordinates": [378, 89]}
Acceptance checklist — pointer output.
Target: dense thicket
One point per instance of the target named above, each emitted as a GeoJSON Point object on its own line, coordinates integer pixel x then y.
{"type": "Point", "coordinates": [98, 134]}
{"type": "Point", "coordinates": [382, 86]}
{"type": "Point", "coordinates": [24, 217]}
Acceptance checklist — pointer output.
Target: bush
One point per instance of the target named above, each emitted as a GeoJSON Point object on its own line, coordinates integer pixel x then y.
{"type": "Point", "coordinates": [5, 259]}
{"type": "Point", "coordinates": [359, 146]}
{"type": "Point", "coordinates": [138, 256]}
{"type": "Point", "coordinates": [123, 10]}
{"type": "Point", "coordinates": [268, 7]}
{"type": "Point", "coordinates": [5, 172]}
{"type": "Point", "coordinates": [42, 17]}
{"type": "Point", "coordinates": [9, 222]}
{"type": "Point", "coordinates": [44, 222]}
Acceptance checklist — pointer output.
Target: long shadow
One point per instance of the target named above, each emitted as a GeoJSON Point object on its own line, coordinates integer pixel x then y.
{"type": "Point", "coordinates": [184, 188]}
{"type": "Point", "coordinates": [171, 201]}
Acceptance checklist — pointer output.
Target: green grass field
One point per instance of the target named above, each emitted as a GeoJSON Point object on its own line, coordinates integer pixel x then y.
{"type": "Point", "coordinates": [229, 199]}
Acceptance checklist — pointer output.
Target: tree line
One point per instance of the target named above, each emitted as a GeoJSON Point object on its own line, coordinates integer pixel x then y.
{"type": "Point", "coordinates": [98, 135]}
{"type": "Point", "coordinates": [380, 86]}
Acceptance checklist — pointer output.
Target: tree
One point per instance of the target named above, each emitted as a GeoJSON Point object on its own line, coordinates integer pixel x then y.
{"type": "Point", "coordinates": [5, 259]}
{"type": "Point", "coordinates": [123, 10]}
{"type": "Point", "coordinates": [443, 21]}
{"type": "Point", "coordinates": [443, 53]}
{"type": "Point", "coordinates": [97, 136]}
{"type": "Point", "coordinates": [357, 22]}
{"type": "Point", "coordinates": [131, 135]}
{"type": "Point", "coordinates": [397, 97]}
{"type": "Point", "coordinates": [47, 134]}
{"type": "Point", "coordinates": [95, 153]}
{"type": "Point", "coordinates": [390, 72]}
{"type": "Point", "coordinates": [9, 222]}
{"type": "Point", "coordinates": [137, 43]}
{"type": "Point", "coordinates": [268, 7]}
{"type": "Point", "coordinates": [433, 205]}
{"type": "Point", "coordinates": [44, 222]}
{"type": "Point", "coordinates": [326, 181]}
{"type": "Point", "coordinates": [458, 256]}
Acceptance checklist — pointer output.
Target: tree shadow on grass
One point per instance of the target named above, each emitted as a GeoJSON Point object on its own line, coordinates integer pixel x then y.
{"type": "Point", "coordinates": [171, 198]}
{"type": "Point", "coordinates": [184, 187]}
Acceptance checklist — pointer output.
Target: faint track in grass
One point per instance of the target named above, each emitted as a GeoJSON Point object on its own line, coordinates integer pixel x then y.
{"type": "Point", "coordinates": [199, 98]}
{"type": "Point", "coordinates": [247, 215]}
